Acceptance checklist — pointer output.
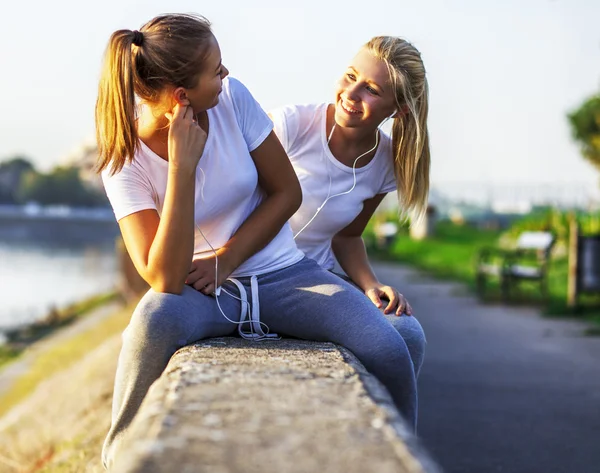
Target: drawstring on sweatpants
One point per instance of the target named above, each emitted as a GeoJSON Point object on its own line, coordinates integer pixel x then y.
{"type": "Point", "coordinates": [255, 331]}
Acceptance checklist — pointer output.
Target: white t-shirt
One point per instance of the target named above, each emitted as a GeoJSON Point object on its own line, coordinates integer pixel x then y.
{"type": "Point", "coordinates": [302, 131]}
{"type": "Point", "coordinates": [227, 189]}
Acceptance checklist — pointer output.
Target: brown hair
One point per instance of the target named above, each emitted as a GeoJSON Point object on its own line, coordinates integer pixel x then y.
{"type": "Point", "coordinates": [410, 138]}
{"type": "Point", "coordinates": [167, 51]}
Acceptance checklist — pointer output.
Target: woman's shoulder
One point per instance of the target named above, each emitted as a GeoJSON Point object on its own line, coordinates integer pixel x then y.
{"type": "Point", "coordinates": [144, 166]}
{"type": "Point", "coordinates": [304, 111]}
{"type": "Point", "coordinates": [235, 90]}
{"type": "Point", "coordinates": [303, 118]}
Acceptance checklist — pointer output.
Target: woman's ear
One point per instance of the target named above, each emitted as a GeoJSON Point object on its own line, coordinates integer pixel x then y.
{"type": "Point", "coordinates": [402, 111]}
{"type": "Point", "coordinates": [180, 96]}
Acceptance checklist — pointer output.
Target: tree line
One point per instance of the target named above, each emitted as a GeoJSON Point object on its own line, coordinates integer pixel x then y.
{"type": "Point", "coordinates": [21, 183]}
{"type": "Point", "coordinates": [585, 128]}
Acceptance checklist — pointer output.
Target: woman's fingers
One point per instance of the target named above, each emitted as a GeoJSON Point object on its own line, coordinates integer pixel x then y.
{"type": "Point", "coordinates": [176, 114]}
{"type": "Point", "coordinates": [191, 278]}
{"type": "Point", "coordinates": [393, 297]}
{"type": "Point", "coordinates": [373, 294]}
{"type": "Point", "coordinates": [403, 307]}
{"type": "Point", "coordinates": [209, 289]}
{"type": "Point", "coordinates": [188, 113]}
{"type": "Point", "coordinates": [397, 302]}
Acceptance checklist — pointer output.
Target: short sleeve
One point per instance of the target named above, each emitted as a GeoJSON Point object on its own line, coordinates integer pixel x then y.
{"type": "Point", "coordinates": [389, 184]}
{"type": "Point", "coordinates": [252, 119]}
{"type": "Point", "coordinates": [128, 191]}
{"type": "Point", "coordinates": [286, 125]}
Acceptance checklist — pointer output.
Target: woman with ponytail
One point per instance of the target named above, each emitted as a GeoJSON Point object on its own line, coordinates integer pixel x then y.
{"type": "Point", "coordinates": [346, 166]}
{"type": "Point", "coordinates": [202, 190]}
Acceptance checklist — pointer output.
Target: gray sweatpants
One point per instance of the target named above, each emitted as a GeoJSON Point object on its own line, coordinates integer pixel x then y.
{"type": "Point", "coordinates": [303, 301]}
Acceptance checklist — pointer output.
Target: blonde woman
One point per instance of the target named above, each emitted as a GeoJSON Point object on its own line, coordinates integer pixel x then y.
{"type": "Point", "coordinates": [202, 191]}
{"type": "Point", "coordinates": [346, 166]}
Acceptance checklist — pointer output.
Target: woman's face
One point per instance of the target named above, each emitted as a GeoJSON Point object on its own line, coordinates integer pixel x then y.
{"type": "Point", "coordinates": [364, 95]}
{"type": "Point", "coordinates": [205, 94]}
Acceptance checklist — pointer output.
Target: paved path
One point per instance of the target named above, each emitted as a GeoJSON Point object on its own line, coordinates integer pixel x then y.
{"type": "Point", "coordinates": [503, 389]}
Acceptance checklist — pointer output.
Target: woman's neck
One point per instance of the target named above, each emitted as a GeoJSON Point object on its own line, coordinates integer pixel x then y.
{"type": "Point", "coordinates": [153, 130]}
{"type": "Point", "coordinates": [346, 144]}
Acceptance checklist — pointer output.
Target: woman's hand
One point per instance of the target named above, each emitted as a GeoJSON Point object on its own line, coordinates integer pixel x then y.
{"type": "Point", "coordinates": [397, 301]}
{"type": "Point", "coordinates": [202, 274]}
{"type": "Point", "coordinates": [186, 138]}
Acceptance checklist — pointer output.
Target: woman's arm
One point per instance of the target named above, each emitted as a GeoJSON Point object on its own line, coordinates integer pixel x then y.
{"type": "Point", "coordinates": [161, 248]}
{"type": "Point", "coordinates": [283, 197]}
{"type": "Point", "coordinates": [349, 249]}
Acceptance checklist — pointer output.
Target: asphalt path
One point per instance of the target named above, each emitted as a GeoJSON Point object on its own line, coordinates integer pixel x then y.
{"type": "Point", "coordinates": [502, 389]}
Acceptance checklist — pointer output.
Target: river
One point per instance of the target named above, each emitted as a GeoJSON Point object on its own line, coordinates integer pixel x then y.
{"type": "Point", "coordinates": [52, 261]}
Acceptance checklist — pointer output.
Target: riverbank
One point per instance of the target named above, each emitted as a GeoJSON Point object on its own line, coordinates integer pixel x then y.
{"type": "Point", "coordinates": [60, 407]}
{"type": "Point", "coordinates": [18, 339]}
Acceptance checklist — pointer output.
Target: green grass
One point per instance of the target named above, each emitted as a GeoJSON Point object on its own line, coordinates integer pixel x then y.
{"type": "Point", "coordinates": [7, 354]}
{"type": "Point", "coordinates": [452, 254]}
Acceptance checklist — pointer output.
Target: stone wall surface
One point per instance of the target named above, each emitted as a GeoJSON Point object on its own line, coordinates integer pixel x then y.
{"type": "Point", "coordinates": [230, 406]}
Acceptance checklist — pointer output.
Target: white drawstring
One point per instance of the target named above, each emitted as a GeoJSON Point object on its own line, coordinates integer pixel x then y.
{"type": "Point", "coordinates": [256, 332]}
{"type": "Point", "coordinates": [255, 325]}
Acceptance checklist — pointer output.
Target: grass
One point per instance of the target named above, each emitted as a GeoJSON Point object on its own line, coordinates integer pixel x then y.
{"type": "Point", "coordinates": [452, 254]}
{"type": "Point", "coordinates": [7, 354]}
{"type": "Point", "coordinates": [62, 356]}
{"type": "Point", "coordinates": [19, 339]}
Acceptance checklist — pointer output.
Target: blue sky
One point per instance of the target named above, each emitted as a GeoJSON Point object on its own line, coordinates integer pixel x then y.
{"type": "Point", "coordinates": [502, 75]}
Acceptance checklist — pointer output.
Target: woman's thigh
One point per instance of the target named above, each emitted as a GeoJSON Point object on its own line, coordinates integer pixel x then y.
{"type": "Point", "coordinates": [308, 302]}
{"type": "Point", "coordinates": [183, 318]}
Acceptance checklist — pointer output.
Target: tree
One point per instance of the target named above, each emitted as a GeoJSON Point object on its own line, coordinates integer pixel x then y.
{"type": "Point", "coordinates": [12, 172]}
{"type": "Point", "coordinates": [62, 186]}
{"type": "Point", "coordinates": [585, 126]}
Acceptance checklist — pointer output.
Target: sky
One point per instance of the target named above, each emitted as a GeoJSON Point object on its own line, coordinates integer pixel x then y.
{"type": "Point", "coordinates": [502, 75]}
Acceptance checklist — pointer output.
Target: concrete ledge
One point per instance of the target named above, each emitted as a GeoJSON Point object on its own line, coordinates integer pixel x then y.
{"type": "Point", "coordinates": [230, 406]}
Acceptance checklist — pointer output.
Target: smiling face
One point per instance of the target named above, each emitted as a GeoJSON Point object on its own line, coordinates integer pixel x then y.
{"type": "Point", "coordinates": [205, 94]}
{"type": "Point", "coordinates": [364, 95]}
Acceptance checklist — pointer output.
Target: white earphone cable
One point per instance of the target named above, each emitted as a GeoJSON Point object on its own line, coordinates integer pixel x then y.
{"type": "Point", "coordinates": [329, 196]}
{"type": "Point", "coordinates": [245, 304]}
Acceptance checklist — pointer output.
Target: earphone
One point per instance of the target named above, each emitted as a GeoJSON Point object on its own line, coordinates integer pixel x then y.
{"type": "Point", "coordinates": [329, 196]}
{"type": "Point", "coordinates": [256, 326]}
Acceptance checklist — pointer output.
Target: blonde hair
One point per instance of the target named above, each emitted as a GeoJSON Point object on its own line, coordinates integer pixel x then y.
{"type": "Point", "coordinates": [167, 51]}
{"type": "Point", "coordinates": [410, 138]}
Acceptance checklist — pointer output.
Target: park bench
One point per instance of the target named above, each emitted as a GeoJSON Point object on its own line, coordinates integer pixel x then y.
{"type": "Point", "coordinates": [528, 261]}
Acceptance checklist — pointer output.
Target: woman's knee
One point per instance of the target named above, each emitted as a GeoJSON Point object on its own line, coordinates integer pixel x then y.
{"type": "Point", "coordinates": [413, 335]}
{"type": "Point", "coordinates": [377, 342]}
{"type": "Point", "coordinates": [160, 318]}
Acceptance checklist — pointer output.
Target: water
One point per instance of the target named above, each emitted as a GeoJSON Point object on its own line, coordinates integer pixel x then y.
{"type": "Point", "coordinates": [52, 262]}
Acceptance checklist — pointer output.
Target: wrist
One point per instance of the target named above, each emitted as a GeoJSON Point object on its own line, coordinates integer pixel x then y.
{"type": "Point", "coordinates": [226, 261]}
{"type": "Point", "coordinates": [181, 170]}
{"type": "Point", "coordinates": [368, 283]}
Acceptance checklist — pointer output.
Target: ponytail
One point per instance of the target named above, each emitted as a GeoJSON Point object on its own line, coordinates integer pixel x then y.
{"type": "Point", "coordinates": [116, 131]}
{"type": "Point", "coordinates": [410, 138]}
{"type": "Point", "coordinates": [410, 144]}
